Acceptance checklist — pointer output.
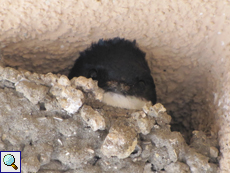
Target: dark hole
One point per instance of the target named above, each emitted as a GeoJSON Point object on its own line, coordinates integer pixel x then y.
{"type": "Point", "coordinates": [96, 158]}
{"type": "Point", "coordinates": [153, 168]}
{"type": "Point", "coordinates": [42, 106]}
{"type": "Point", "coordinates": [39, 157]}
{"type": "Point", "coordinates": [135, 151]}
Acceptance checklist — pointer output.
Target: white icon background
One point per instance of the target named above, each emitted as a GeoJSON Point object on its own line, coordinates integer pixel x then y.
{"type": "Point", "coordinates": [5, 168]}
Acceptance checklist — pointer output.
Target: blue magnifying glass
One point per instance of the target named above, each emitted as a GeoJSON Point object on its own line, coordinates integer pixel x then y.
{"type": "Point", "coordinates": [9, 160]}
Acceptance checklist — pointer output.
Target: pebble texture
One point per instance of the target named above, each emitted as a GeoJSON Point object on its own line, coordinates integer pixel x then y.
{"type": "Point", "coordinates": [69, 98]}
{"type": "Point", "coordinates": [121, 140]}
{"type": "Point", "coordinates": [92, 118]}
{"type": "Point", "coordinates": [33, 92]}
{"type": "Point", "coordinates": [89, 139]}
{"type": "Point", "coordinates": [186, 45]}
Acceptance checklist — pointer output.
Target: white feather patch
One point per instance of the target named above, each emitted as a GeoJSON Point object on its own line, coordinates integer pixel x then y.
{"type": "Point", "coordinates": [118, 100]}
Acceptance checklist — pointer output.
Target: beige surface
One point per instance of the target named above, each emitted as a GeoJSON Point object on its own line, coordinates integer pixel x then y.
{"type": "Point", "coordinates": [187, 45]}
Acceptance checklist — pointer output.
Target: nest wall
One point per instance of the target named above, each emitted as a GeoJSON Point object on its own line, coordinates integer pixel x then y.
{"type": "Point", "coordinates": [187, 46]}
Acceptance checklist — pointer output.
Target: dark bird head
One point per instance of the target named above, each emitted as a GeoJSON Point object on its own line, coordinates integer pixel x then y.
{"type": "Point", "coordinates": [121, 70]}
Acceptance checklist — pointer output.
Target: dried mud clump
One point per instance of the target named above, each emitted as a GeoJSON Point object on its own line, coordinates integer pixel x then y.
{"type": "Point", "coordinates": [62, 126]}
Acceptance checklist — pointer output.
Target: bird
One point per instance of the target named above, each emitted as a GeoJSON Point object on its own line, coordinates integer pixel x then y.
{"type": "Point", "coordinates": [121, 70]}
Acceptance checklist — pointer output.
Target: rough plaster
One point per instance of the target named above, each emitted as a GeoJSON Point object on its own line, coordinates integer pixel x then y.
{"type": "Point", "coordinates": [187, 45]}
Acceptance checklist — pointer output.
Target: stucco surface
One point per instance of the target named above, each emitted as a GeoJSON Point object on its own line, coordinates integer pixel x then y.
{"type": "Point", "coordinates": [187, 45]}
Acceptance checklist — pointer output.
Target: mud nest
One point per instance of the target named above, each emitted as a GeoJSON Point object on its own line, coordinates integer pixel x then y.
{"type": "Point", "coordinates": [62, 126]}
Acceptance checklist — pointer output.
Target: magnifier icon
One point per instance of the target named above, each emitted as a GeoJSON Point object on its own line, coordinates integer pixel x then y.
{"type": "Point", "coordinates": [9, 160]}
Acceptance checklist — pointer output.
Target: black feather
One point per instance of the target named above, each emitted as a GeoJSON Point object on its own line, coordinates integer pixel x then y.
{"type": "Point", "coordinates": [119, 66]}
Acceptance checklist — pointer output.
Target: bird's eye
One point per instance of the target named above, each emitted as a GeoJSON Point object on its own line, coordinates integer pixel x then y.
{"type": "Point", "coordinates": [93, 74]}
{"type": "Point", "coordinates": [141, 84]}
